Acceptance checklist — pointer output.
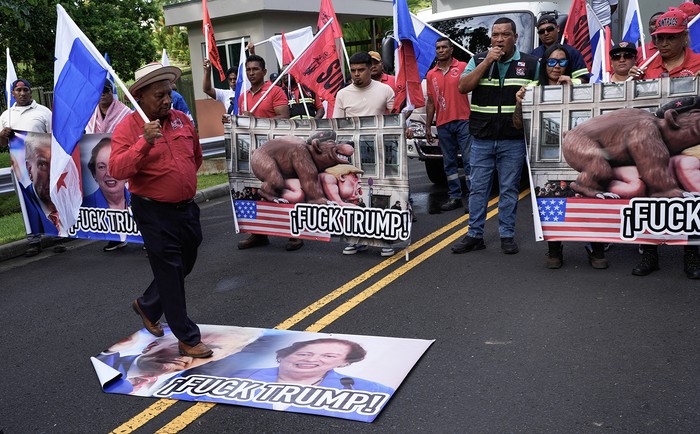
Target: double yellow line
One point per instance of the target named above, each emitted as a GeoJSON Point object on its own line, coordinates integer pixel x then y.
{"type": "Point", "coordinates": [191, 414]}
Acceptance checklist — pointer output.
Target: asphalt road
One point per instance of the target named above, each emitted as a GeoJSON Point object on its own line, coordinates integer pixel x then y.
{"type": "Point", "coordinates": [518, 348]}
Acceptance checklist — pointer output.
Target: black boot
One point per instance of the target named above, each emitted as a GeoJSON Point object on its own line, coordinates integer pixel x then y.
{"type": "Point", "coordinates": [555, 255]}
{"type": "Point", "coordinates": [649, 262]}
{"type": "Point", "coordinates": [691, 262]}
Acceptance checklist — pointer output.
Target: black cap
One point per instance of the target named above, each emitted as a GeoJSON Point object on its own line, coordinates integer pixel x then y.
{"type": "Point", "coordinates": [547, 19]}
{"type": "Point", "coordinates": [623, 46]}
{"type": "Point", "coordinates": [680, 105]}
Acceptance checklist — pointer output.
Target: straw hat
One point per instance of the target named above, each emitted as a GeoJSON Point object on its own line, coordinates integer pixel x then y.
{"type": "Point", "coordinates": [153, 72]}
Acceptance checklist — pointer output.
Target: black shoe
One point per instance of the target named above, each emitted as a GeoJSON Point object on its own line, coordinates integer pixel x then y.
{"type": "Point", "coordinates": [254, 240]}
{"type": "Point", "coordinates": [648, 263]}
{"type": "Point", "coordinates": [509, 246]}
{"type": "Point", "coordinates": [468, 244]}
{"type": "Point", "coordinates": [32, 250]}
{"type": "Point", "coordinates": [691, 264]}
{"type": "Point", "coordinates": [114, 245]}
{"type": "Point", "coordinates": [294, 244]}
{"type": "Point", "coordinates": [451, 204]}
{"type": "Point", "coordinates": [555, 256]}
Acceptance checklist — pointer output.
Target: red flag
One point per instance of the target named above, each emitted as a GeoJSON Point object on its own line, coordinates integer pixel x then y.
{"type": "Point", "coordinates": [287, 55]}
{"type": "Point", "coordinates": [318, 68]}
{"type": "Point", "coordinates": [407, 78]}
{"type": "Point", "coordinates": [576, 31]}
{"type": "Point", "coordinates": [325, 14]}
{"type": "Point", "coordinates": [208, 31]}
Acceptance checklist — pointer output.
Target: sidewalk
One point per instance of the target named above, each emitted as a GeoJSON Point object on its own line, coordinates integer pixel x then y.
{"type": "Point", "coordinates": [17, 248]}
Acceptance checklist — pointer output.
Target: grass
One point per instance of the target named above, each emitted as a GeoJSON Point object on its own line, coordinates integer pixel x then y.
{"type": "Point", "coordinates": [12, 225]}
{"type": "Point", "coordinates": [4, 159]}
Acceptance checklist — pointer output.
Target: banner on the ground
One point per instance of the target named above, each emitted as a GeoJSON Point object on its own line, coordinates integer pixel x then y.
{"type": "Point", "coordinates": [105, 212]}
{"type": "Point", "coordinates": [337, 375]}
{"type": "Point", "coordinates": [616, 162]}
{"type": "Point", "coordinates": [321, 178]}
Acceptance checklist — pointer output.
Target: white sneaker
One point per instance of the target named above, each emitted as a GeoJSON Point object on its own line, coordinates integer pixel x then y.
{"type": "Point", "coordinates": [351, 249]}
{"type": "Point", "coordinates": [387, 251]}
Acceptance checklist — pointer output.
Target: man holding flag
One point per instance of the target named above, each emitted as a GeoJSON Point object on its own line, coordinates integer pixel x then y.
{"type": "Point", "coordinates": [26, 115]}
{"type": "Point", "coordinates": [224, 96]}
{"type": "Point", "coordinates": [160, 159]}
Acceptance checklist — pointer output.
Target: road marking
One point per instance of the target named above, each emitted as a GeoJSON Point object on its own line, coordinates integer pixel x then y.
{"type": "Point", "coordinates": [308, 310]}
{"type": "Point", "coordinates": [187, 417]}
{"type": "Point", "coordinates": [191, 414]}
{"type": "Point", "coordinates": [142, 418]}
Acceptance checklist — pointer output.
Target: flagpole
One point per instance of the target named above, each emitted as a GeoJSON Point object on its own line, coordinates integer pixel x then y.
{"type": "Point", "coordinates": [443, 35]}
{"type": "Point", "coordinates": [301, 93]}
{"type": "Point", "coordinates": [245, 91]}
{"type": "Point", "coordinates": [9, 94]}
{"type": "Point", "coordinates": [296, 59]}
{"type": "Point", "coordinates": [645, 64]}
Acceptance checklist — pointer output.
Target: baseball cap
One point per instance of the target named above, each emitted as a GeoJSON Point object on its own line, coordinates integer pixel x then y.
{"type": "Point", "coordinates": [375, 56]}
{"type": "Point", "coordinates": [21, 81]}
{"type": "Point", "coordinates": [690, 9]}
{"type": "Point", "coordinates": [547, 19]}
{"type": "Point", "coordinates": [623, 46]}
{"type": "Point", "coordinates": [673, 21]}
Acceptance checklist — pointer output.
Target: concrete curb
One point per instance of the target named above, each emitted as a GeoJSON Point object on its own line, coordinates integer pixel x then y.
{"type": "Point", "coordinates": [17, 248]}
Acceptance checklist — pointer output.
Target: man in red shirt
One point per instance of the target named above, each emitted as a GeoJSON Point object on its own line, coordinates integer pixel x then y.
{"type": "Point", "coordinates": [160, 159]}
{"type": "Point", "coordinates": [275, 105]}
{"type": "Point", "coordinates": [452, 109]}
{"type": "Point", "coordinates": [377, 71]}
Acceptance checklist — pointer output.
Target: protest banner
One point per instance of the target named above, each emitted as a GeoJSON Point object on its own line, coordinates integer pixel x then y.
{"type": "Point", "coordinates": [104, 213]}
{"type": "Point", "coordinates": [336, 375]}
{"type": "Point", "coordinates": [321, 178]}
{"type": "Point", "coordinates": [615, 162]}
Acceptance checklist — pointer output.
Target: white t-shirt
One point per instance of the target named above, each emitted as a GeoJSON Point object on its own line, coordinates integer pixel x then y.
{"type": "Point", "coordinates": [372, 100]}
{"type": "Point", "coordinates": [33, 117]}
{"type": "Point", "coordinates": [225, 95]}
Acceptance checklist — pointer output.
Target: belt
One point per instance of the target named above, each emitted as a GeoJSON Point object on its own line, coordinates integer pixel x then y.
{"type": "Point", "coordinates": [176, 205]}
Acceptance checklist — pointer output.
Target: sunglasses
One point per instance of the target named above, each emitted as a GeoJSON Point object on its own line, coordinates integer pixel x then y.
{"type": "Point", "coordinates": [549, 29]}
{"type": "Point", "coordinates": [617, 56]}
{"type": "Point", "coordinates": [553, 62]}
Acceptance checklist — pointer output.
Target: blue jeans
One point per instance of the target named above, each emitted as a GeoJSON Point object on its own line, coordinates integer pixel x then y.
{"type": "Point", "coordinates": [454, 138]}
{"type": "Point", "coordinates": [506, 156]}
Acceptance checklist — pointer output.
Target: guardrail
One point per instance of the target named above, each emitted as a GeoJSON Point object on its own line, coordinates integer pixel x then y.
{"type": "Point", "coordinates": [211, 148]}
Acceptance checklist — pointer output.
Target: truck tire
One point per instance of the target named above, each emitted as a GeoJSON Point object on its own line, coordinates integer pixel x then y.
{"type": "Point", "coordinates": [435, 171]}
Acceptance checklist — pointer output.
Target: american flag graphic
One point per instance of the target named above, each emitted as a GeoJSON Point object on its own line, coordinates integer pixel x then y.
{"type": "Point", "coordinates": [577, 219]}
{"type": "Point", "coordinates": [269, 218]}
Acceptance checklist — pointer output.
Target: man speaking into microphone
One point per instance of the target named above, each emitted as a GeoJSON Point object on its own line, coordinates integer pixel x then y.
{"type": "Point", "coordinates": [494, 77]}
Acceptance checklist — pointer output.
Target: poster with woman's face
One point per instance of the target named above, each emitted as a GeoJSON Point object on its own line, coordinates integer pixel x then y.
{"type": "Point", "coordinates": [104, 213]}
{"type": "Point", "coordinates": [337, 375]}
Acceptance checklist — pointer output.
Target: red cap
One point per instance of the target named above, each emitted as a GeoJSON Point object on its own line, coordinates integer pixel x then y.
{"type": "Point", "coordinates": [673, 21]}
{"type": "Point", "coordinates": [690, 9]}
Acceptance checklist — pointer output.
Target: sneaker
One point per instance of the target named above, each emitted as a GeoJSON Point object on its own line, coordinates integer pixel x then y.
{"type": "Point", "coordinates": [451, 204]}
{"type": "Point", "coordinates": [351, 249]}
{"type": "Point", "coordinates": [508, 246]}
{"type": "Point", "coordinates": [691, 264]}
{"type": "Point", "coordinates": [468, 244]}
{"type": "Point", "coordinates": [114, 245]}
{"type": "Point", "coordinates": [387, 251]}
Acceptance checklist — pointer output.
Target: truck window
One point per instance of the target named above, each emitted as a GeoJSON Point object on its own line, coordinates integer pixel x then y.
{"type": "Point", "coordinates": [474, 32]}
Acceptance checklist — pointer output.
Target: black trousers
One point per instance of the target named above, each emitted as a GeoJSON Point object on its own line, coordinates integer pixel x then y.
{"type": "Point", "coordinates": [171, 233]}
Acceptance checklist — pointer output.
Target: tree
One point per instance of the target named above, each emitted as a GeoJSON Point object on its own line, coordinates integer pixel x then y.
{"type": "Point", "coordinates": [121, 28]}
